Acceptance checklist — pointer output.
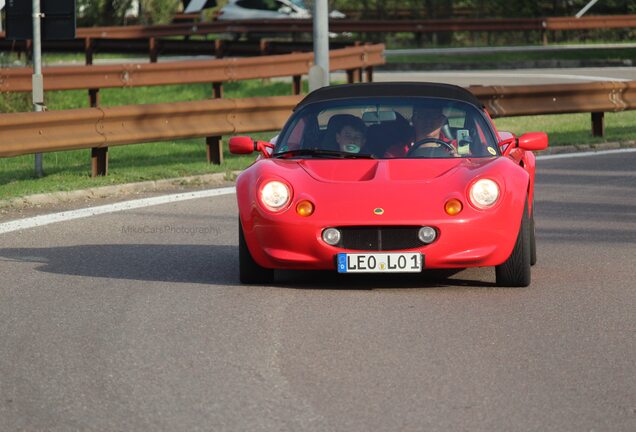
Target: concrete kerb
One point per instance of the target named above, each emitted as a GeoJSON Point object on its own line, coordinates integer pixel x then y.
{"type": "Point", "coordinates": [126, 189]}
{"type": "Point", "coordinates": [217, 179]}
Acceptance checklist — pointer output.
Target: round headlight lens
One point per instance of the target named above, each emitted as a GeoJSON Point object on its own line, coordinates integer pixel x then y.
{"type": "Point", "coordinates": [484, 193]}
{"type": "Point", "coordinates": [427, 234]}
{"type": "Point", "coordinates": [275, 195]}
{"type": "Point", "coordinates": [331, 236]}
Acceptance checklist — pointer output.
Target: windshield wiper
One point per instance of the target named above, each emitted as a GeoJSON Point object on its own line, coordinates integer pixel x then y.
{"type": "Point", "coordinates": [323, 153]}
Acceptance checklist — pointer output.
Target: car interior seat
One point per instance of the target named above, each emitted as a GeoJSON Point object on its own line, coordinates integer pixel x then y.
{"type": "Point", "coordinates": [386, 134]}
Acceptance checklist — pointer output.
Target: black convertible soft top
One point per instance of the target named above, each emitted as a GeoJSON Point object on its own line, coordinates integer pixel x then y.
{"type": "Point", "coordinates": [390, 89]}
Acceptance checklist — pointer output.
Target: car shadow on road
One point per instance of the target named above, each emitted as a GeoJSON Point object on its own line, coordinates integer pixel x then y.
{"type": "Point", "coordinates": [211, 264]}
{"type": "Point", "coordinates": [315, 280]}
{"type": "Point", "coordinates": [179, 263]}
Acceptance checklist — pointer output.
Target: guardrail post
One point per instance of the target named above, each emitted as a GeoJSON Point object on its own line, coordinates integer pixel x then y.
{"type": "Point", "coordinates": [544, 36]}
{"type": "Point", "coordinates": [99, 161]}
{"type": "Point", "coordinates": [354, 75]}
{"type": "Point", "coordinates": [152, 49]}
{"type": "Point", "coordinates": [93, 97]}
{"type": "Point", "coordinates": [598, 124]}
{"type": "Point", "coordinates": [99, 155]}
{"type": "Point", "coordinates": [350, 76]}
{"type": "Point", "coordinates": [217, 90]}
{"type": "Point", "coordinates": [369, 71]}
{"type": "Point", "coordinates": [88, 51]}
{"type": "Point", "coordinates": [264, 47]}
{"type": "Point", "coordinates": [296, 84]}
{"type": "Point", "coordinates": [213, 147]}
{"type": "Point", "coordinates": [219, 48]}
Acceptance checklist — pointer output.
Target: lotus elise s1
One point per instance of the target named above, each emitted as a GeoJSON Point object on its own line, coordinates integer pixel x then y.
{"type": "Point", "coordinates": [388, 178]}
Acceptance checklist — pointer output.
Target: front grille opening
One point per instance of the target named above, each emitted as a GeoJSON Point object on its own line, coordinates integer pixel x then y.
{"type": "Point", "coordinates": [380, 238]}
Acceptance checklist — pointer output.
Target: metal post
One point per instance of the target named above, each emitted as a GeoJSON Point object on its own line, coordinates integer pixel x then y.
{"type": "Point", "coordinates": [598, 124]}
{"type": "Point", "coordinates": [319, 73]}
{"type": "Point", "coordinates": [585, 8]}
{"type": "Point", "coordinates": [37, 80]}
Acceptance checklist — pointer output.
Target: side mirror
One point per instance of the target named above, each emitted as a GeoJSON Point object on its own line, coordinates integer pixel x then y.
{"type": "Point", "coordinates": [246, 145]}
{"type": "Point", "coordinates": [534, 141]}
{"type": "Point", "coordinates": [242, 145]}
{"type": "Point", "coordinates": [285, 10]}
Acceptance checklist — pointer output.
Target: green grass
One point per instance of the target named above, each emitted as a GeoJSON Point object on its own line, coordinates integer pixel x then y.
{"type": "Point", "coordinates": [70, 170]}
{"type": "Point", "coordinates": [568, 129]}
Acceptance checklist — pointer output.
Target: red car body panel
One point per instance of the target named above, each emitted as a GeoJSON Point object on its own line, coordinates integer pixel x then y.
{"type": "Point", "coordinates": [410, 191]}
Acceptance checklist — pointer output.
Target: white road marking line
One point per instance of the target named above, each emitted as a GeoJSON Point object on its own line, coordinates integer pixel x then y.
{"type": "Point", "coordinates": [518, 74]}
{"type": "Point", "coordinates": [38, 221]}
{"type": "Point", "coordinates": [585, 154]}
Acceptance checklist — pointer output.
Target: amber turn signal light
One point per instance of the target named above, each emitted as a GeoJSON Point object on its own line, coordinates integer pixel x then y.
{"type": "Point", "coordinates": [453, 206]}
{"type": "Point", "coordinates": [305, 208]}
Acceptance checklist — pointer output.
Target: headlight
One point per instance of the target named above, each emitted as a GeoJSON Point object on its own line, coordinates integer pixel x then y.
{"type": "Point", "coordinates": [275, 195]}
{"type": "Point", "coordinates": [484, 193]}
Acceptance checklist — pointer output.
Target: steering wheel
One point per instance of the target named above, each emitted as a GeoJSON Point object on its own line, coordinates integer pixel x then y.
{"type": "Point", "coordinates": [419, 143]}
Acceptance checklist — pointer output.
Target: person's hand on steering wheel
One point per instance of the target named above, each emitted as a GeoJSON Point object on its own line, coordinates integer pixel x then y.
{"type": "Point", "coordinates": [440, 144]}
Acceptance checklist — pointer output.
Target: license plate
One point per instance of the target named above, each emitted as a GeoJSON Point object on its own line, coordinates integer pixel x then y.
{"type": "Point", "coordinates": [408, 262]}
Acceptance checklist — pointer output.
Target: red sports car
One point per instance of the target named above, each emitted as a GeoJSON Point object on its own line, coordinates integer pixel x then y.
{"type": "Point", "coordinates": [388, 177]}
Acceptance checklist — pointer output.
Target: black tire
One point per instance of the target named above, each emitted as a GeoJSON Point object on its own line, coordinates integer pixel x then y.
{"type": "Point", "coordinates": [249, 271]}
{"type": "Point", "coordinates": [533, 240]}
{"type": "Point", "coordinates": [515, 271]}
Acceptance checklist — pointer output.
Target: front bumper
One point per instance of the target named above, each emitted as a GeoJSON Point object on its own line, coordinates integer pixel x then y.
{"type": "Point", "coordinates": [473, 239]}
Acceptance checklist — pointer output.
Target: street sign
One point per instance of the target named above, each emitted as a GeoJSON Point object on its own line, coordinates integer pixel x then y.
{"type": "Point", "coordinates": [58, 21]}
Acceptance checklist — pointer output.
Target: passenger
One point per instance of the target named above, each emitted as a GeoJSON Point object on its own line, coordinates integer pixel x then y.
{"type": "Point", "coordinates": [346, 133]}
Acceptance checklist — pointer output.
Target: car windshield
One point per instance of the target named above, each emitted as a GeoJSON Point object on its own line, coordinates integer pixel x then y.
{"type": "Point", "coordinates": [388, 128]}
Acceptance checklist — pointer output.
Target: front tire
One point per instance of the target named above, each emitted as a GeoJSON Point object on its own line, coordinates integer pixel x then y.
{"type": "Point", "coordinates": [515, 271]}
{"type": "Point", "coordinates": [249, 271]}
{"type": "Point", "coordinates": [533, 240]}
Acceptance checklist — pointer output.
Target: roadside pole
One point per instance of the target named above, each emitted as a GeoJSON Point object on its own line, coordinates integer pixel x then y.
{"type": "Point", "coordinates": [2, 2]}
{"type": "Point", "coordinates": [585, 8]}
{"type": "Point", "coordinates": [319, 72]}
{"type": "Point", "coordinates": [37, 80]}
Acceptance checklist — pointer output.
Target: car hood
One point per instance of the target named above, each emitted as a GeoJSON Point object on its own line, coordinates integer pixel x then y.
{"type": "Point", "coordinates": [411, 170]}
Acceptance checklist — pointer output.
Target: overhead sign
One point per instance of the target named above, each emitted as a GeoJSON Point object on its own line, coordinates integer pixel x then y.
{"type": "Point", "coordinates": [198, 5]}
{"type": "Point", "coordinates": [58, 21]}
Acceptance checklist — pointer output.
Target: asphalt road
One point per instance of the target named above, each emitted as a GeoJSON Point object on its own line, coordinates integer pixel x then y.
{"type": "Point", "coordinates": [508, 77]}
{"type": "Point", "coordinates": [136, 321]}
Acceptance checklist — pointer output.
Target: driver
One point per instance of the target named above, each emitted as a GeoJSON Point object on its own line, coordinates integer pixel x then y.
{"type": "Point", "coordinates": [428, 121]}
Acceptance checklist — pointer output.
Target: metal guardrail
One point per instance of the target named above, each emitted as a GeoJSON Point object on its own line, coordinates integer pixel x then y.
{"type": "Point", "coordinates": [98, 128]}
{"type": "Point", "coordinates": [26, 133]}
{"type": "Point", "coordinates": [355, 60]}
{"type": "Point", "coordinates": [160, 39]}
{"type": "Point", "coordinates": [188, 72]}
{"type": "Point", "coordinates": [595, 98]}
{"type": "Point", "coordinates": [155, 47]}
{"type": "Point", "coordinates": [509, 101]}
{"type": "Point", "coordinates": [152, 33]}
